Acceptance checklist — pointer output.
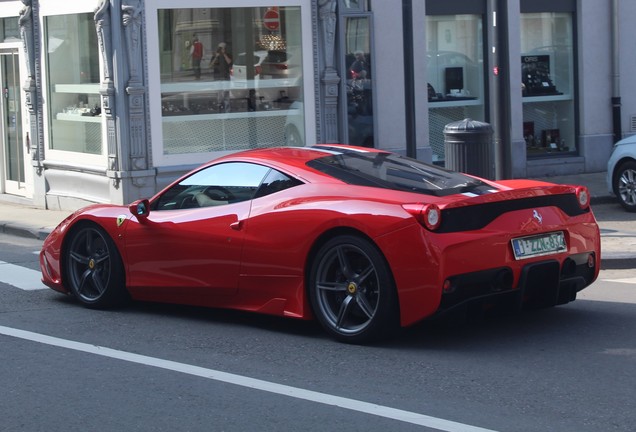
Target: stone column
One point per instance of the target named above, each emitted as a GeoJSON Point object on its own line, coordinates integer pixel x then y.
{"type": "Point", "coordinates": [30, 88]}
{"type": "Point", "coordinates": [107, 87]}
{"type": "Point", "coordinates": [120, 23]}
{"type": "Point", "coordinates": [131, 18]}
{"type": "Point", "coordinates": [29, 29]}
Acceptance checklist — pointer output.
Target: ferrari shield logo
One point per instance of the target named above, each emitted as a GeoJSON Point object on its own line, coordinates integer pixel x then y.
{"type": "Point", "coordinates": [120, 220]}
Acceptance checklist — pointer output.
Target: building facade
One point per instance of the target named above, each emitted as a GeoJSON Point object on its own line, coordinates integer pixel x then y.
{"type": "Point", "coordinates": [111, 100]}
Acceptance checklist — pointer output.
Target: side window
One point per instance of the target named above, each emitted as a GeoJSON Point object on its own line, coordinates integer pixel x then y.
{"type": "Point", "coordinates": [225, 183]}
{"type": "Point", "coordinates": [274, 182]}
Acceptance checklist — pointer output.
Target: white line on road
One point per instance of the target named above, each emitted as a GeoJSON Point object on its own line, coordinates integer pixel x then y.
{"type": "Point", "coordinates": [623, 280]}
{"type": "Point", "coordinates": [294, 392]}
{"type": "Point", "coordinates": [21, 277]}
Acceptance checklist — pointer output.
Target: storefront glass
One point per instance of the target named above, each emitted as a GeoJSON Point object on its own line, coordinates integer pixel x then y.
{"type": "Point", "coordinates": [455, 71]}
{"type": "Point", "coordinates": [231, 78]}
{"type": "Point", "coordinates": [547, 83]}
{"type": "Point", "coordinates": [72, 62]}
{"type": "Point", "coordinates": [9, 31]}
{"type": "Point", "coordinates": [359, 81]}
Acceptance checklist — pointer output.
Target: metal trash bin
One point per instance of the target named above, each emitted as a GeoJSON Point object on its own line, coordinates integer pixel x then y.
{"type": "Point", "coordinates": [468, 147]}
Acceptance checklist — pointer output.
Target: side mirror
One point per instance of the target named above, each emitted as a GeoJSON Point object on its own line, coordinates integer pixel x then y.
{"type": "Point", "coordinates": [140, 209]}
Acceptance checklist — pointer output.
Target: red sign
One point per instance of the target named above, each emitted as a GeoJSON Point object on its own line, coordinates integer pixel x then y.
{"type": "Point", "coordinates": [271, 19]}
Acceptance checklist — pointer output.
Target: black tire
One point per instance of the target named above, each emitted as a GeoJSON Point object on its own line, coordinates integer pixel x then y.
{"type": "Point", "coordinates": [352, 291]}
{"type": "Point", "coordinates": [625, 185]}
{"type": "Point", "coordinates": [93, 268]}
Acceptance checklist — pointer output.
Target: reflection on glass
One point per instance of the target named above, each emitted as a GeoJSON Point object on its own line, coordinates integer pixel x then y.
{"type": "Point", "coordinates": [546, 83]}
{"type": "Point", "coordinates": [231, 78]}
{"type": "Point", "coordinates": [359, 82]}
{"type": "Point", "coordinates": [72, 64]}
{"type": "Point", "coordinates": [455, 74]}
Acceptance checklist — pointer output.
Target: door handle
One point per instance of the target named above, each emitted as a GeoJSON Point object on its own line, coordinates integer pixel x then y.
{"type": "Point", "coordinates": [237, 226]}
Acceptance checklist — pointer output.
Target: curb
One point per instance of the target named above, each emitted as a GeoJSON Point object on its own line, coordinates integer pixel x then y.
{"type": "Point", "coordinates": [20, 230]}
{"type": "Point", "coordinates": [623, 263]}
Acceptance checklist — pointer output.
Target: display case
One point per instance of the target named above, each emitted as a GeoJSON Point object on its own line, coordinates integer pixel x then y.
{"type": "Point", "coordinates": [547, 83]}
{"type": "Point", "coordinates": [76, 117]}
{"type": "Point", "coordinates": [211, 116]}
{"type": "Point", "coordinates": [548, 125]}
{"type": "Point", "coordinates": [222, 97]}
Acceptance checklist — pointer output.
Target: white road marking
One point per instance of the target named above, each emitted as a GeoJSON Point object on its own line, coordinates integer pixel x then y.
{"type": "Point", "coordinates": [21, 277]}
{"type": "Point", "coordinates": [294, 392]}
{"type": "Point", "coordinates": [623, 280]}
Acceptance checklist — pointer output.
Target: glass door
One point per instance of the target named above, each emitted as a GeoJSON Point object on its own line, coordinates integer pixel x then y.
{"type": "Point", "coordinates": [14, 160]}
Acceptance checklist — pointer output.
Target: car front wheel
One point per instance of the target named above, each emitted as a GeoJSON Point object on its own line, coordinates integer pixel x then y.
{"type": "Point", "coordinates": [94, 269]}
{"type": "Point", "coordinates": [625, 185]}
{"type": "Point", "coordinates": [352, 291]}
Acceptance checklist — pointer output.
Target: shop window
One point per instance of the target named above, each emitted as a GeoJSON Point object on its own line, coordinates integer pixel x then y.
{"type": "Point", "coordinates": [547, 83]}
{"type": "Point", "coordinates": [231, 78]}
{"type": "Point", "coordinates": [359, 81]}
{"type": "Point", "coordinates": [455, 74]}
{"type": "Point", "coordinates": [72, 61]}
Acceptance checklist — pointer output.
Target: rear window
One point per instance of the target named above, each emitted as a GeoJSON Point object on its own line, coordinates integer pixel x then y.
{"type": "Point", "coordinates": [392, 171]}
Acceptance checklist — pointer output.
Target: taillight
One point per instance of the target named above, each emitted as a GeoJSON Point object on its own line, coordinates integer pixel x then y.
{"type": "Point", "coordinates": [428, 215]}
{"type": "Point", "coordinates": [432, 216]}
{"type": "Point", "coordinates": [583, 196]}
{"type": "Point", "coordinates": [257, 70]}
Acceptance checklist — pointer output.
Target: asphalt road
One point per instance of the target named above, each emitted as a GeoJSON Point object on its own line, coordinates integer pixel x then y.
{"type": "Point", "coordinates": [151, 367]}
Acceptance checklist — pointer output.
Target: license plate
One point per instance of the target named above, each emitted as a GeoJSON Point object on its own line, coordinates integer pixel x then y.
{"type": "Point", "coordinates": [538, 245]}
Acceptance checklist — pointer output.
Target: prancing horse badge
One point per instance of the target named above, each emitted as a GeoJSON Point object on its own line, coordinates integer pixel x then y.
{"type": "Point", "coordinates": [120, 220]}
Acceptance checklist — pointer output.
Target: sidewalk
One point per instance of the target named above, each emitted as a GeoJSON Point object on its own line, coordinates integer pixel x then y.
{"type": "Point", "coordinates": [618, 227]}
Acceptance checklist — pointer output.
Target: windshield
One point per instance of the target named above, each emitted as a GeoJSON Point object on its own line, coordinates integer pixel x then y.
{"type": "Point", "coordinates": [392, 171]}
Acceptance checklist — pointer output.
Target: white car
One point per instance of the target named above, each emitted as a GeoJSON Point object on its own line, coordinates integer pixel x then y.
{"type": "Point", "coordinates": [621, 172]}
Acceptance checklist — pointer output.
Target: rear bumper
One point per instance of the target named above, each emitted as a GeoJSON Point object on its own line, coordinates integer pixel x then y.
{"type": "Point", "coordinates": [541, 284]}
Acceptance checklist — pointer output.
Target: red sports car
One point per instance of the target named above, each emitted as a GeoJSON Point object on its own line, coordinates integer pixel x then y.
{"type": "Point", "coordinates": [363, 240]}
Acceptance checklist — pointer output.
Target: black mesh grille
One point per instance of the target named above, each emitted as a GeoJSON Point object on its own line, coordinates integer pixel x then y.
{"type": "Point", "coordinates": [478, 216]}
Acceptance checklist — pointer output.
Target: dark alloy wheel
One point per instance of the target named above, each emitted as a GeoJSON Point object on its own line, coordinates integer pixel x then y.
{"type": "Point", "coordinates": [94, 269]}
{"type": "Point", "coordinates": [352, 291]}
{"type": "Point", "coordinates": [625, 185]}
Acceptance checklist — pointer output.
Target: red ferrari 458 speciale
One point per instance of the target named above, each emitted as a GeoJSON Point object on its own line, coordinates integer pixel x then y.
{"type": "Point", "coordinates": [363, 240]}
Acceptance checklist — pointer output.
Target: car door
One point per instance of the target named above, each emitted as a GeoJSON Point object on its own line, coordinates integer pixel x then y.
{"type": "Point", "coordinates": [191, 243]}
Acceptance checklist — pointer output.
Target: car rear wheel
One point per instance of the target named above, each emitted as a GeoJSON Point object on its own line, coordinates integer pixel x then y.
{"type": "Point", "coordinates": [625, 185]}
{"type": "Point", "coordinates": [94, 269]}
{"type": "Point", "coordinates": [352, 291]}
